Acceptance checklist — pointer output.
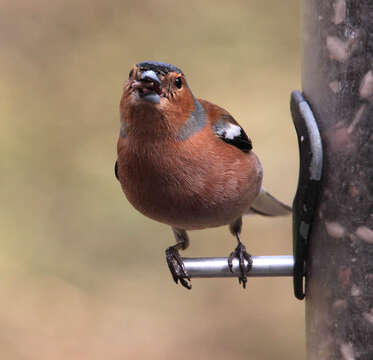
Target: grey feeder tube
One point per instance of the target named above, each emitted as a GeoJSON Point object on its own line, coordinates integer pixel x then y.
{"type": "Point", "coordinates": [262, 266]}
{"type": "Point", "coordinates": [337, 82]}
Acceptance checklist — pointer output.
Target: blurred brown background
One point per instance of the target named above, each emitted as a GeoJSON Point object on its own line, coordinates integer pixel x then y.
{"type": "Point", "coordinates": [82, 274]}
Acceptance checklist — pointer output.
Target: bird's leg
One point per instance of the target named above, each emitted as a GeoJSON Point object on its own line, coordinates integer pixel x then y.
{"type": "Point", "coordinates": [174, 261]}
{"type": "Point", "coordinates": [240, 253]}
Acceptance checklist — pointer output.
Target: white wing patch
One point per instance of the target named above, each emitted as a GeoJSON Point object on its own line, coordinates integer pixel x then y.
{"type": "Point", "coordinates": [229, 131]}
{"type": "Point", "coordinates": [232, 131]}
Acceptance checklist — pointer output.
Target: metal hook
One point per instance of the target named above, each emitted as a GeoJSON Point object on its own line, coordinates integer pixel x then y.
{"type": "Point", "coordinates": [310, 172]}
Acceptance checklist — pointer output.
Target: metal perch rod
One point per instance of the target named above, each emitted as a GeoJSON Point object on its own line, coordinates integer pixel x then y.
{"type": "Point", "coordinates": [263, 266]}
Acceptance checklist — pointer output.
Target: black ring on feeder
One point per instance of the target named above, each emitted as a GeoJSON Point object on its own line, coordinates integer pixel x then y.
{"type": "Point", "coordinates": [309, 180]}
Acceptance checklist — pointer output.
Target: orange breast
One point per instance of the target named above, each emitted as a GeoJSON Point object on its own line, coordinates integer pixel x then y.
{"type": "Point", "coordinates": [192, 184]}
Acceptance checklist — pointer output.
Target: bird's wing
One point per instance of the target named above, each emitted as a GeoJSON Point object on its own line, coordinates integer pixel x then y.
{"type": "Point", "coordinates": [226, 127]}
{"type": "Point", "coordinates": [116, 170]}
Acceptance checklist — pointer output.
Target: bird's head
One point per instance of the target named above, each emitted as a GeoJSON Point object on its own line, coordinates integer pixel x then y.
{"type": "Point", "coordinates": [157, 84]}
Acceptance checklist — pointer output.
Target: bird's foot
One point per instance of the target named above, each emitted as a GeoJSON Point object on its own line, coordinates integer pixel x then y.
{"type": "Point", "coordinates": [241, 254]}
{"type": "Point", "coordinates": [177, 268]}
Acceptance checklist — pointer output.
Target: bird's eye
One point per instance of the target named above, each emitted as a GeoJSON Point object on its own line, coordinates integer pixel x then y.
{"type": "Point", "coordinates": [178, 82]}
{"type": "Point", "coordinates": [130, 74]}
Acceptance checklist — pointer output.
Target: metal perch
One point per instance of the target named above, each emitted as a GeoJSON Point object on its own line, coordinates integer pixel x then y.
{"type": "Point", "coordinates": [263, 266]}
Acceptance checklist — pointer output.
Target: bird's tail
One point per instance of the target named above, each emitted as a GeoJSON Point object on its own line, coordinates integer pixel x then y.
{"type": "Point", "coordinates": [265, 204]}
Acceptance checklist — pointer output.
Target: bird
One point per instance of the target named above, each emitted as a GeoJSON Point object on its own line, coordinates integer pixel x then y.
{"type": "Point", "coordinates": [187, 163]}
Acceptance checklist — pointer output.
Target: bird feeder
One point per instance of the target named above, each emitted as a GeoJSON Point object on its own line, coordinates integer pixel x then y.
{"type": "Point", "coordinates": [337, 82]}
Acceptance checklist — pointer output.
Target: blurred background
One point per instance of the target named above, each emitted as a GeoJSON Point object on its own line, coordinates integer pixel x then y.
{"type": "Point", "coordinates": [82, 274]}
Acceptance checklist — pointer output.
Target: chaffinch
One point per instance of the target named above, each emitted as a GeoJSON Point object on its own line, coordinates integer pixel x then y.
{"type": "Point", "coordinates": [186, 162]}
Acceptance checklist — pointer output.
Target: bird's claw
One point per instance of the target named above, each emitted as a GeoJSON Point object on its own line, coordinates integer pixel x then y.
{"type": "Point", "coordinates": [177, 267]}
{"type": "Point", "coordinates": [241, 254]}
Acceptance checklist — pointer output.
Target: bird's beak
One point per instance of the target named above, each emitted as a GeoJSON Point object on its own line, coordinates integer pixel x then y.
{"type": "Point", "coordinates": [148, 86]}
